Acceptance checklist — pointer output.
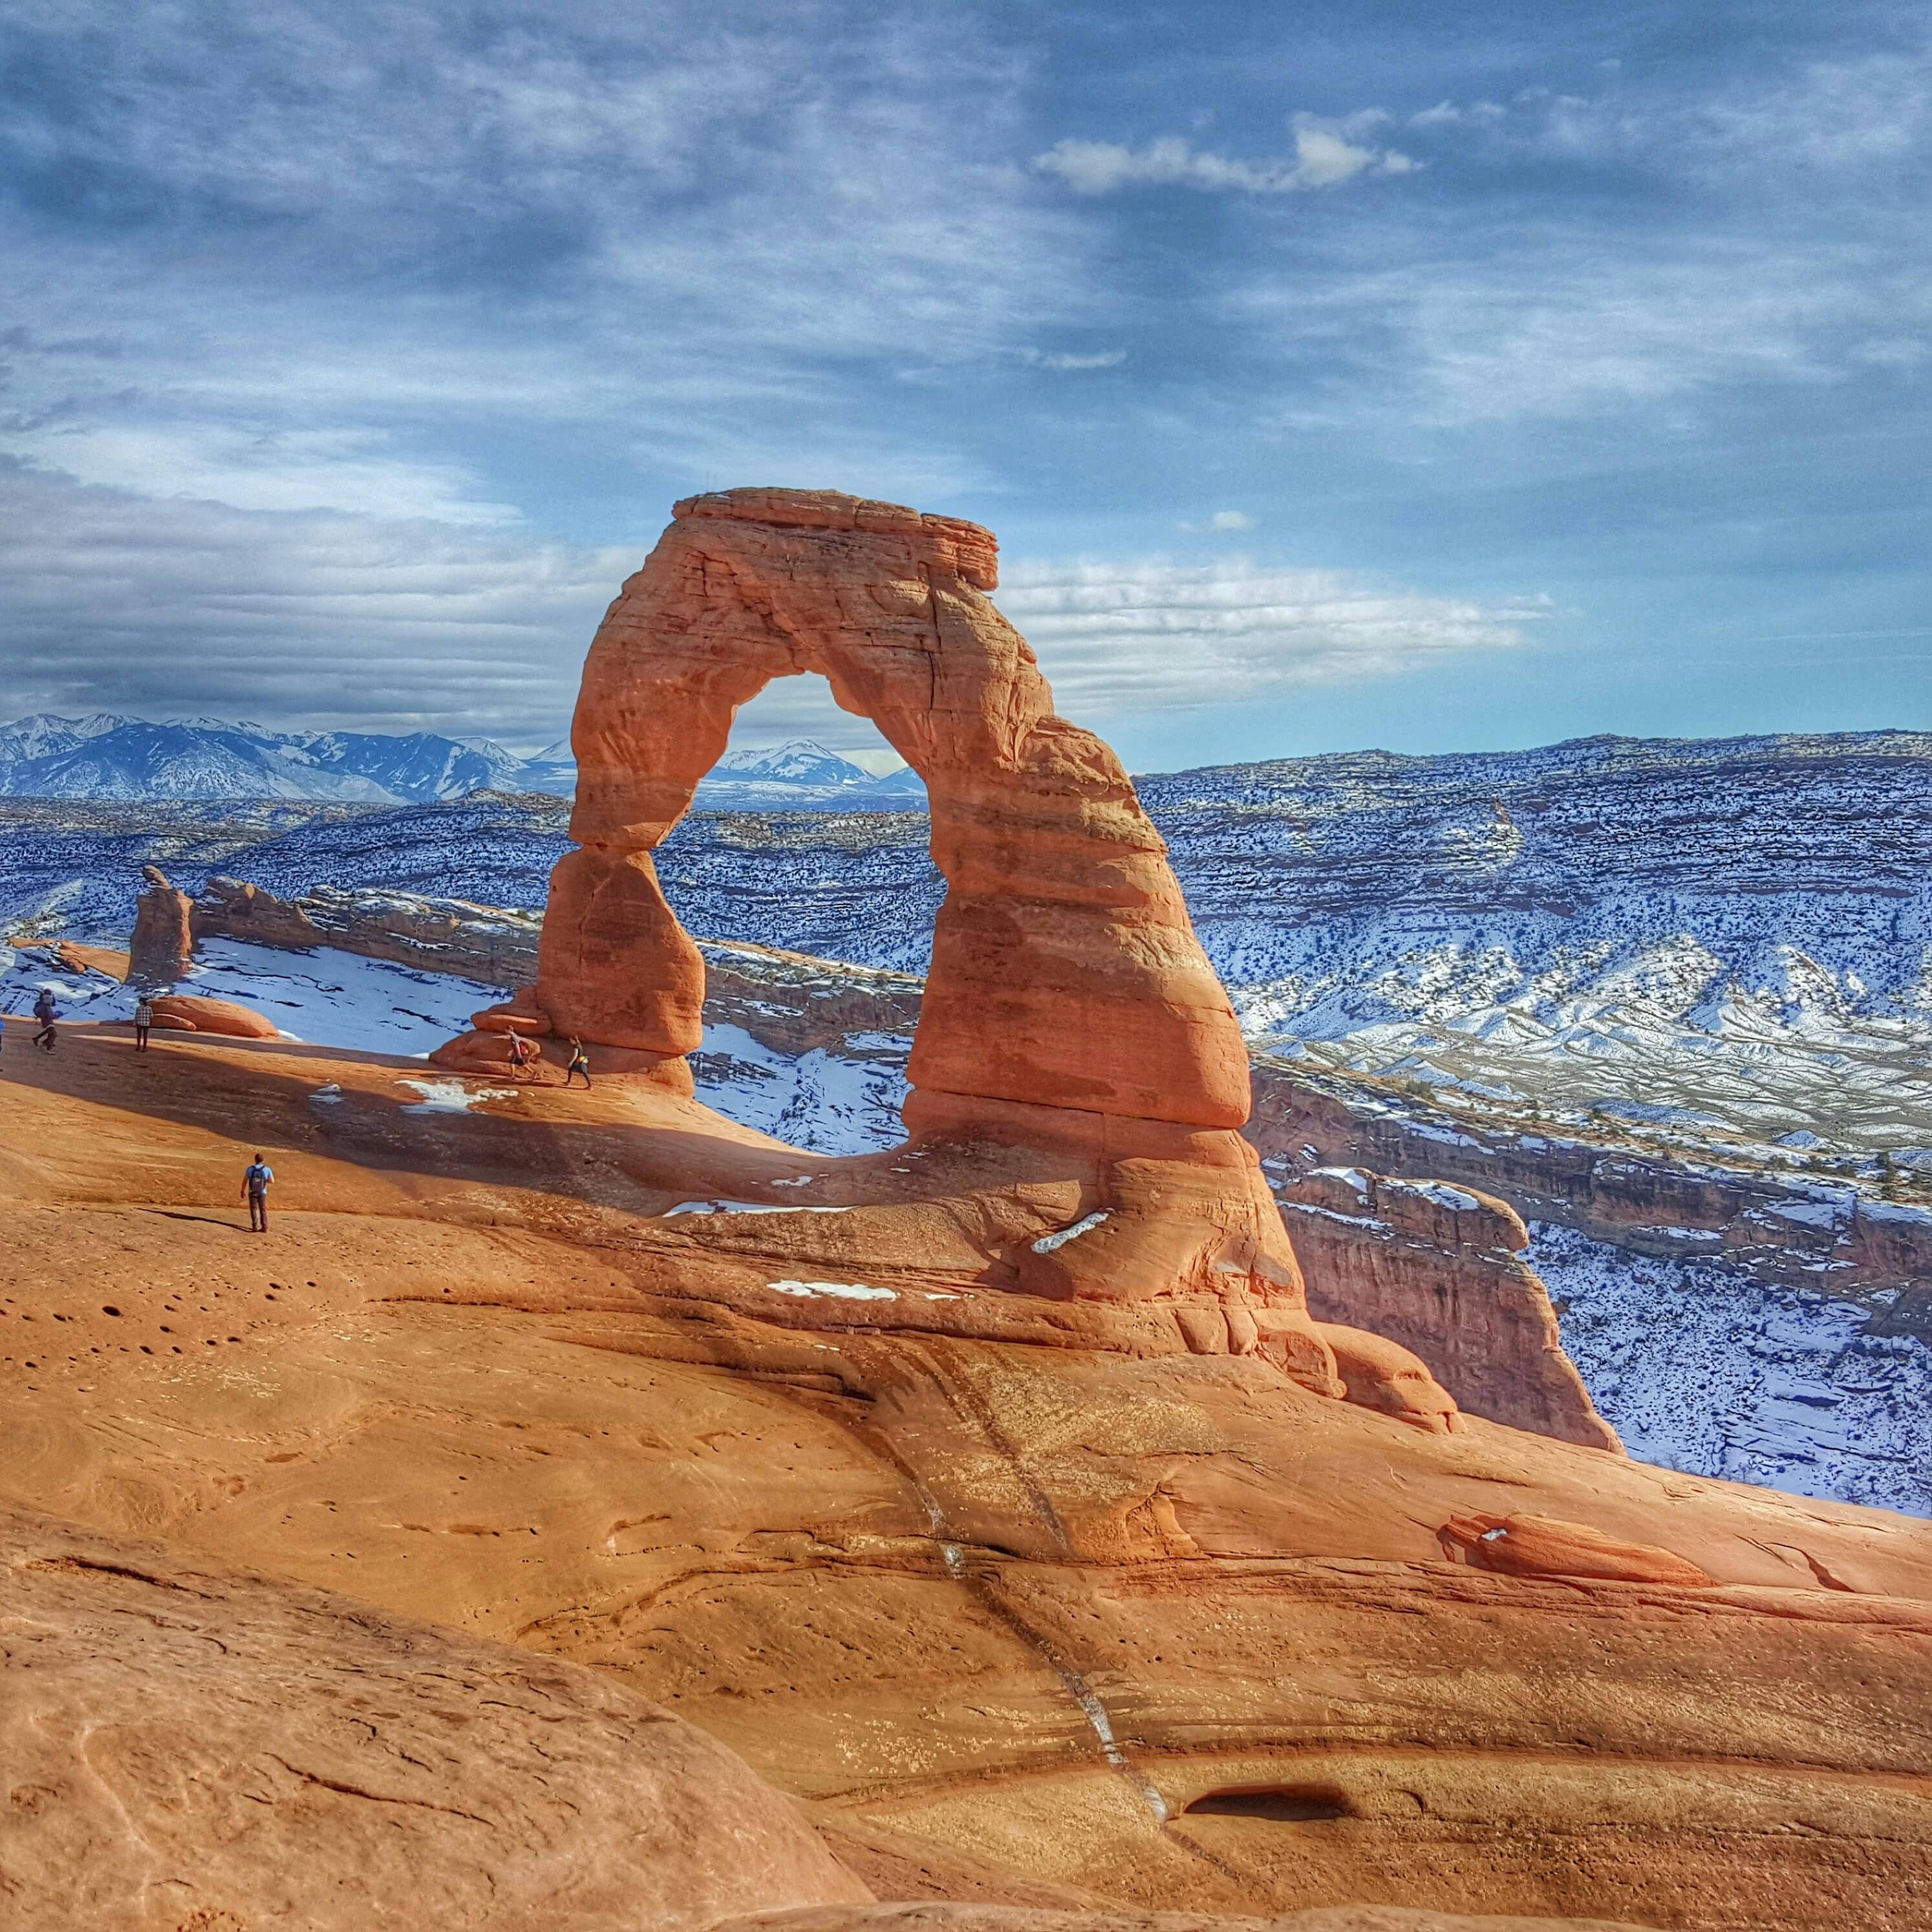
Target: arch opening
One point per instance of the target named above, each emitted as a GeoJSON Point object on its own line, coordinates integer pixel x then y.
{"type": "Point", "coordinates": [782, 856]}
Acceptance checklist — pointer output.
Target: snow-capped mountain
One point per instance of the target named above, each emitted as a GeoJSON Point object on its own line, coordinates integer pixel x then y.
{"type": "Point", "coordinates": [797, 761]}
{"type": "Point", "coordinates": [43, 736]}
{"type": "Point", "coordinates": [107, 756]}
{"type": "Point", "coordinates": [801, 775]}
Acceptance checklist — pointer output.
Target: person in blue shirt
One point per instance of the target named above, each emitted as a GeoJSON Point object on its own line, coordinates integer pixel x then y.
{"type": "Point", "coordinates": [255, 1182]}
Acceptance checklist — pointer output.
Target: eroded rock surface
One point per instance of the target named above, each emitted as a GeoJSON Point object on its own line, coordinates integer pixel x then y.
{"type": "Point", "coordinates": [1023, 1579]}
{"type": "Point", "coordinates": [1438, 1268]}
{"type": "Point", "coordinates": [190, 1748]}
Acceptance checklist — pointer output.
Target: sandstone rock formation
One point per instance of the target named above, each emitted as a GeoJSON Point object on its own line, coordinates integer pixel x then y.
{"type": "Point", "coordinates": [1006, 1919]}
{"type": "Point", "coordinates": [1069, 1008]}
{"type": "Point", "coordinates": [1541, 1546]}
{"type": "Point", "coordinates": [164, 941]}
{"type": "Point", "coordinates": [992, 1581]}
{"type": "Point", "coordinates": [1438, 1269]}
{"type": "Point", "coordinates": [189, 1748]}
{"type": "Point", "coordinates": [196, 1013]}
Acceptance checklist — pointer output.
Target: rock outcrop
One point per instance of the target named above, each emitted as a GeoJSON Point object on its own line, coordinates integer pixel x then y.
{"type": "Point", "coordinates": [1438, 1269]}
{"type": "Point", "coordinates": [494, 944]}
{"type": "Point", "coordinates": [163, 941]}
{"type": "Point", "coordinates": [1070, 1010]}
{"type": "Point", "coordinates": [191, 1748]}
{"type": "Point", "coordinates": [196, 1013]}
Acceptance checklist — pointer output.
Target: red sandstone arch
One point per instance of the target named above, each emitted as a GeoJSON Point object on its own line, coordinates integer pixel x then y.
{"type": "Point", "coordinates": [1069, 1007]}
{"type": "Point", "coordinates": [1065, 972]}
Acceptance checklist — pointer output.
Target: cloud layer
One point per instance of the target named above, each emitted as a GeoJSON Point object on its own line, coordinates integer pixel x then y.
{"type": "Point", "coordinates": [353, 352]}
{"type": "Point", "coordinates": [1156, 635]}
{"type": "Point", "coordinates": [303, 618]}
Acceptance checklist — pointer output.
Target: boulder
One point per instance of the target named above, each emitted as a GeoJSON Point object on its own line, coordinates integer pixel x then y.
{"type": "Point", "coordinates": [1383, 1375]}
{"type": "Point", "coordinates": [195, 1012]}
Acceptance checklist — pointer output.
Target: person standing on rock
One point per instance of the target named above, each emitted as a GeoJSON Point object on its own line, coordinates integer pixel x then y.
{"type": "Point", "coordinates": [46, 1012]}
{"type": "Point", "coordinates": [580, 1063]}
{"type": "Point", "coordinates": [144, 1018]}
{"type": "Point", "coordinates": [520, 1056]}
{"type": "Point", "coordinates": [256, 1178]}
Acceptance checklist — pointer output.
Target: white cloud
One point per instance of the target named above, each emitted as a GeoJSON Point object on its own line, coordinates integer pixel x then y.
{"type": "Point", "coordinates": [317, 618]}
{"type": "Point", "coordinates": [120, 602]}
{"type": "Point", "coordinates": [358, 471]}
{"type": "Point", "coordinates": [1155, 634]}
{"type": "Point", "coordinates": [1327, 153]}
{"type": "Point", "coordinates": [1231, 520]}
{"type": "Point", "coordinates": [1106, 358]}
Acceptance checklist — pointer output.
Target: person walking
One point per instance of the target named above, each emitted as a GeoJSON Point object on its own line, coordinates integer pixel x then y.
{"type": "Point", "coordinates": [256, 1178]}
{"type": "Point", "coordinates": [580, 1063]}
{"type": "Point", "coordinates": [46, 1012]}
{"type": "Point", "coordinates": [144, 1018]}
{"type": "Point", "coordinates": [520, 1056]}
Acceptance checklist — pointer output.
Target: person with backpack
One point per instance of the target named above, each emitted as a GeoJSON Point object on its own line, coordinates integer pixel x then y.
{"type": "Point", "coordinates": [580, 1063]}
{"type": "Point", "coordinates": [144, 1018]}
{"type": "Point", "coordinates": [46, 1012]}
{"type": "Point", "coordinates": [256, 1179]}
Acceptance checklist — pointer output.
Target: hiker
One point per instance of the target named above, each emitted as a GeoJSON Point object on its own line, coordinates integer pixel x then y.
{"type": "Point", "coordinates": [520, 1056]}
{"type": "Point", "coordinates": [580, 1063]}
{"type": "Point", "coordinates": [144, 1018]}
{"type": "Point", "coordinates": [46, 1013]}
{"type": "Point", "coordinates": [255, 1181]}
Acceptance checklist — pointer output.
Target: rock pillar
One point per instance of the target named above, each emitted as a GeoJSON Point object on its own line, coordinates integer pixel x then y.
{"type": "Point", "coordinates": [163, 943]}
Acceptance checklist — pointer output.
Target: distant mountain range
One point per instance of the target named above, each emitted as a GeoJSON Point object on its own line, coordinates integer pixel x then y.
{"type": "Point", "coordinates": [108, 757]}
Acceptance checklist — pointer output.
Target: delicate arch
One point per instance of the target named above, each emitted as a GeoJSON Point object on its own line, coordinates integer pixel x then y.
{"type": "Point", "coordinates": [1065, 972]}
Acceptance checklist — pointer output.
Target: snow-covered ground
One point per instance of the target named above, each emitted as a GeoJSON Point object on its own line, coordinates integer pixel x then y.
{"type": "Point", "coordinates": [325, 998]}
{"type": "Point", "coordinates": [1701, 1366]}
{"type": "Point", "coordinates": [825, 1102]}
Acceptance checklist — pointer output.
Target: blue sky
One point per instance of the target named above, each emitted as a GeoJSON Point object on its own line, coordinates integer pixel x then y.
{"type": "Point", "coordinates": [1334, 375]}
